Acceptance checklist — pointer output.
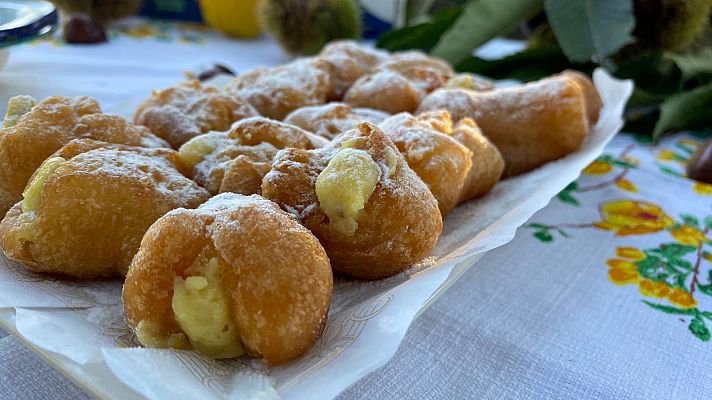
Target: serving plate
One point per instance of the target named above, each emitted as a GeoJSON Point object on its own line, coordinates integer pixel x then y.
{"type": "Point", "coordinates": [91, 344]}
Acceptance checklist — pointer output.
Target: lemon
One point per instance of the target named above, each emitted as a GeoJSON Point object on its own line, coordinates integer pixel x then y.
{"type": "Point", "coordinates": [232, 17]}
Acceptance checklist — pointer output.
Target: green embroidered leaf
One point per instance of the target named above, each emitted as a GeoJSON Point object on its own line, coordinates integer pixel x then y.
{"type": "Point", "coordinates": [623, 164]}
{"type": "Point", "coordinates": [708, 222]}
{"type": "Point", "coordinates": [650, 266]}
{"type": "Point", "coordinates": [675, 250]}
{"type": "Point", "coordinates": [480, 21]}
{"type": "Point", "coordinates": [680, 281]}
{"type": "Point", "coordinates": [684, 148]}
{"type": "Point", "coordinates": [563, 233]}
{"type": "Point", "coordinates": [690, 220]}
{"type": "Point", "coordinates": [699, 329]}
{"type": "Point", "coordinates": [536, 225]}
{"type": "Point", "coordinates": [707, 315]}
{"type": "Point", "coordinates": [544, 236]}
{"type": "Point", "coordinates": [567, 198]}
{"type": "Point", "coordinates": [706, 289]}
{"type": "Point", "coordinates": [670, 171]}
{"type": "Point", "coordinates": [588, 29]}
{"type": "Point", "coordinates": [679, 262]}
{"type": "Point", "coordinates": [671, 310]}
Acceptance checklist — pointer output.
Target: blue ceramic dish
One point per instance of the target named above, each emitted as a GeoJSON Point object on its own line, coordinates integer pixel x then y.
{"type": "Point", "coordinates": [21, 21]}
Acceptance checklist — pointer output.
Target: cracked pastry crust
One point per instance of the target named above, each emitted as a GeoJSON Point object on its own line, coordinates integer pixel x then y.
{"type": "Point", "coordinates": [86, 208]}
{"type": "Point", "coordinates": [331, 119]}
{"type": "Point", "coordinates": [277, 91]}
{"type": "Point", "coordinates": [235, 161]}
{"type": "Point", "coordinates": [236, 275]}
{"type": "Point", "coordinates": [371, 212]}
{"type": "Point", "coordinates": [399, 83]}
{"type": "Point", "coordinates": [348, 61]}
{"type": "Point", "coordinates": [439, 160]}
{"type": "Point", "coordinates": [37, 131]}
{"type": "Point", "coordinates": [189, 109]}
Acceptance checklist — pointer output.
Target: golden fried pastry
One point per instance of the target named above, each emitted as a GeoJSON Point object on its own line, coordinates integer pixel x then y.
{"type": "Point", "coordinates": [275, 92]}
{"type": "Point", "coordinates": [235, 276]}
{"type": "Point", "coordinates": [384, 90]}
{"type": "Point", "coordinates": [235, 161]}
{"type": "Point", "coordinates": [439, 160]}
{"type": "Point", "coordinates": [487, 163]}
{"type": "Point", "coordinates": [593, 98]}
{"type": "Point", "coordinates": [86, 208]}
{"type": "Point", "coordinates": [530, 124]}
{"type": "Point", "coordinates": [331, 119]}
{"type": "Point", "coordinates": [33, 132]}
{"type": "Point", "coordinates": [349, 60]}
{"type": "Point", "coordinates": [399, 83]}
{"type": "Point", "coordinates": [189, 109]}
{"type": "Point", "coordinates": [370, 211]}
{"type": "Point", "coordinates": [470, 81]}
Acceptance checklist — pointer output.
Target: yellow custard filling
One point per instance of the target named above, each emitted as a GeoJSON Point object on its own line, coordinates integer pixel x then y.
{"type": "Point", "coordinates": [201, 308]}
{"type": "Point", "coordinates": [17, 107]}
{"type": "Point", "coordinates": [344, 187]}
{"type": "Point", "coordinates": [194, 151]}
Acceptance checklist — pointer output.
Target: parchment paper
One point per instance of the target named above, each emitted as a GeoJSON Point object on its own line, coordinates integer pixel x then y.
{"type": "Point", "coordinates": [83, 321]}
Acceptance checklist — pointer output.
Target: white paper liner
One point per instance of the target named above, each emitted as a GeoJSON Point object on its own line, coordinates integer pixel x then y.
{"type": "Point", "coordinates": [367, 321]}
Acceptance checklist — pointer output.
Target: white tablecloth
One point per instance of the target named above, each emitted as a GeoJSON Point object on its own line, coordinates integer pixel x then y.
{"type": "Point", "coordinates": [605, 294]}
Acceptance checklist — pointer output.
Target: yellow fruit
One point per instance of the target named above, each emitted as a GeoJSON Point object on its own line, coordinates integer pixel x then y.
{"type": "Point", "coordinates": [232, 17]}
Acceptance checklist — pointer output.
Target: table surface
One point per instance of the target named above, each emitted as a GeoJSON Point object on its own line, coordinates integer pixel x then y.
{"type": "Point", "coordinates": [605, 293]}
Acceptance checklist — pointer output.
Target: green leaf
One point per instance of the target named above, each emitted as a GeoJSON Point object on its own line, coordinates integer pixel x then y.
{"type": "Point", "coordinates": [563, 233]}
{"type": "Point", "coordinates": [690, 220]}
{"type": "Point", "coordinates": [680, 262]}
{"type": "Point", "coordinates": [587, 29]}
{"type": "Point", "coordinates": [571, 186]}
{"type": "Point", "coordinates": [481, 21]}
{"type": "Point", "coordinates": [699, 329]}
{"type": "Point", "coordinates": [693, 65]}
{"type": "Point", "coordinates": [422, 36]}
{"type": "Point", "coordinates": [544, 236]}
{"type": "Point", "coordinates": [526, 65]}
{"type": "Point", "coordinates": [566, 197]}
{"type": "Point", "coordinates": [689, 109]}
{"type": "Point", "coordinates": [680, 280]}
{"type": "Point", "coordinates": [671, 310]}
{"type": "Point", "coordinates": [707, 315]}
{"type": "Point", "coordinates": [654, 76]}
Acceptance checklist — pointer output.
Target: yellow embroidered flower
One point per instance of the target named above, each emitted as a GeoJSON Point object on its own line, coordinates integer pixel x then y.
{"type": "Point", "coordinates": [681, 298]}
{"type": "Point", "coordinates": [688, 235]}
{"type": "Point", "coordinates": [651, 288]}
{"type": "Point", "coordinates": [623, 276]}
{"type": "Point", "coordinates": [704, 189]}
{"type": "Point", "coordinates": [621, 264]}
{"type": "Point", "coordinates": [598, 168]}
{"type": "Point", "coordinates": [629, 217]}
{"type": "Point", "coordinates": [630, 253]}
{"type": "Point", "coordinates": [626, 185]}
{"type": "Point", "coordinates": [666, 155]}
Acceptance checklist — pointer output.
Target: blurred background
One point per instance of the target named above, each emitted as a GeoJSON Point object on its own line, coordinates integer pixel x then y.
{"type": "Point", "coordinates": [665, 46]}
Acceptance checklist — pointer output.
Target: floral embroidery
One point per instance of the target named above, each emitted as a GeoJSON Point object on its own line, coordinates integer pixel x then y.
{"type": "Point", "coordinates": [674, 277]}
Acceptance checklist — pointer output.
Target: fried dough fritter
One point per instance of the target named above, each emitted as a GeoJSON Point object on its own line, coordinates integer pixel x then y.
{"type": "Point", "coordinates": [237, 275]}
{"type": "Point", "coordinates": [235, 161]}
{"type": "Point", "coordinates": [277, 91]}
{"type": "Point", "coordinates": [438, 159]}
{"type": "Point", "coordinates": [34, 132]}
{"type": "Point", "coordinates": [86, 208]}
{"type": "Point", "coordinates": [530, 124]}
{"type": "Point", "coordinates": [370, 211]}
{"type": "Point", "coordinates": [182, 112]}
